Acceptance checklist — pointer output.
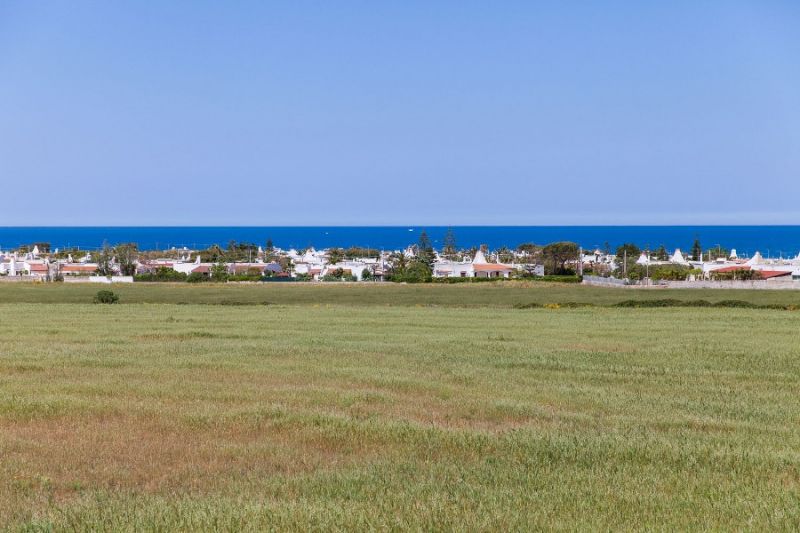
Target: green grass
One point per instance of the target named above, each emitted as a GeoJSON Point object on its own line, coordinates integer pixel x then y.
{"type": "Point", "coordinates": [508, 294]}
{"type": "Point", "coordinates": [372, 416]}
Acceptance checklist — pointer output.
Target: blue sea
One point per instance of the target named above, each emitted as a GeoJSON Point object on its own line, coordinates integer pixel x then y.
{"type": "Point", "coordinates": [774, 241]}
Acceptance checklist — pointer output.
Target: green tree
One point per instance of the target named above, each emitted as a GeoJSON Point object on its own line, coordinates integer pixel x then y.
{"type": "Point", "coordinates": [504, 255]}
{"type": "Point", "coordinates": [335, 255]}
{"type": "Point", "coordinates": [661, 253]}
{"type": "Point", "coordinates": [127, 255]}
{"type": "Point", "coordinates": [450, 248]}
{"type": "Point", "coordinates": [104, 266]}
{"type": "Point", "coordinates": [425, 250]}
{"type": "Point", "coordinates": [697, 250]}
{"type": "Point", "coordinates": [424, 241]}
{"type": "Point", "coordinates": [717, 251]}
{"type": "Point", "coordinates": [628, 249]}
{"type": "Point", "coordinates": [44, 247]}
{"type": "Point", "coordinates": [557, 254]}
{"type": "Point", "coordinates": [212, 254]}
{"type": "Point", "coordinates": [219, 272]}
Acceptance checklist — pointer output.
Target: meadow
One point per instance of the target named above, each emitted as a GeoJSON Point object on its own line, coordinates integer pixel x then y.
{"type": "Point", "coordinates": [390, 410]}
{"type": "Point", "coordinates": [476, 295]}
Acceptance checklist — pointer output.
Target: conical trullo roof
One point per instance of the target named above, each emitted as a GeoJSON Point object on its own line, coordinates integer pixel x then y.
{"type": "Point", "coordinates": [677, 257]}
{"type": "Point", "coordinates": [479, 258]}
{"type": "Point", "coordinates": [757, 259]}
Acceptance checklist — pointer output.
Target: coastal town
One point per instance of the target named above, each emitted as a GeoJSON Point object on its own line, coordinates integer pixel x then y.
{"type": "Point", "coordinates": [420, 262]}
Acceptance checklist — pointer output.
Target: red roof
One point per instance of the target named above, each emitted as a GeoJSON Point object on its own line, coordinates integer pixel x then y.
{"type": "Point", "coordinates": [246, 267]}
{"type": "Point", "coordinates": [491, 267]}
{"type": "Point", "coordinates": [766, 274]}
{"type": "Point", "coordinates": [202, 269]}
{"type": "Point", "coordinates": [78, 268]}
{"type": "Point", "coordinates": [37, 267]}
{"type": "Point", "coordinates": [735, 268]}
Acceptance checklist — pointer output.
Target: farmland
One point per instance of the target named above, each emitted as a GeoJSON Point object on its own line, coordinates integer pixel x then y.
{"type": "Point", "coordinates": [469, 295]}
{"type": "Point", "coordinates": [429, 407]}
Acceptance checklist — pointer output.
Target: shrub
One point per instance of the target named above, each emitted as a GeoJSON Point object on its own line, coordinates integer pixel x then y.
{"type": "Point", "coordinates": [105, 297]}
{"type": "Point", "coordinates": [740, 304]}
{"type": "Point", "coordinates": [415, 272]}
{"type": "Point", "coordinates": [468, 280]}
{"type": "Point", "coordinates": [161, 274]}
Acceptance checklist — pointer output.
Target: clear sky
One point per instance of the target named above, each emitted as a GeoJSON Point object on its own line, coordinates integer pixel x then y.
{"type": "Point", "coordinates": [366, 113]}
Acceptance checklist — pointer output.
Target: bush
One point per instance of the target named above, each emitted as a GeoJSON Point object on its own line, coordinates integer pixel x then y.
{"type": "Point", "coordinates": [161, 274]}
{"type": "Point", "coordinates": [242, 277]}
{"type": "Point", "coordinates": [105, 297]}
{"type": "Point", "coordinates": [197, 277]}
{"type": "Point", "coordinates": [415, 272]}
{"type": "Point", "coordinates": [468, 280]}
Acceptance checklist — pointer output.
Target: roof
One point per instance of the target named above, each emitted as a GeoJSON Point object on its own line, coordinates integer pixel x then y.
{"type": "Point", "coordinates": [766, 274]}
{"type": "Point", "coordinates": [78, 268]}
{"type": "Point", "coordinates": [38, 267]}
{"type": "Point", "coordinates": [733, 268]}
{"type": "Point", "coordinates": [201, 269]}
{"type": "Point", "coordinates": [245, 267]}
{"type": "Point", "coordinates": [491, 267]}
{"type": "Point", "coordinates": [479, 259]}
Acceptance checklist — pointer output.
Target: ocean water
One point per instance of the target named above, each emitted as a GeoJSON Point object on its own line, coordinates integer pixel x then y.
{"type": "Point", "coordinates": [774, 241]}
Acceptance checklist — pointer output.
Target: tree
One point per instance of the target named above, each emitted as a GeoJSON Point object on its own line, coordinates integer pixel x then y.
{"type": "Point", "coordinates": [105, 297]}
{"type": "Point", "coordinates": [270, 247]}
{"type": "Point", "coordinates": [212, 254]}
{"type": "Point", "coordinates": [449, 249]}
{"type": "Point", "coordinates": [126, 257]}
{"type": "Point", "coordinates": [44, 247]}
{"type": "Point", "coordinates": [504, 255]}
{"type": "Point", "coordinates": [219, 272]}
{"type": "Point", "coordinates": [416, 271]}
{"type": "Point", "coordinates": [718, 251]}
{"type": "Point", "coordinates": [335, 255]}
{"type": "Point", "coordinates": [628, 249]}
{"type": "Point", "coordinates": [425, 250]}
{"type": "Point", "coordinates": [627, 255]}
{"type": "Point", "coordinates": [424, 241]}
{"type": "Point", "coordinates": [104, 266]}
{"type": "Point", "coordinates": [661, 254]}
{"type": "Point", "coordinates": [531, 253]}
{"type": "Point", "coordinates": [697, 250]}
{"type": "Point", "coordinates": [557, 254]}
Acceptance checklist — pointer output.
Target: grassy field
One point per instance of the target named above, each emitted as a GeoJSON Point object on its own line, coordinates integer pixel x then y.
{"type": "Point", "coordinates": [365, 294]}
{"type": "Point", "coordinates": [330, 413]}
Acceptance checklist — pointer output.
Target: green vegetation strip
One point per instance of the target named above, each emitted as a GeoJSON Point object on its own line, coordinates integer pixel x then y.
{"type": "Point", "coordinates": [667, 302]}
{"type": "Point", "coordinates": [460, 295]}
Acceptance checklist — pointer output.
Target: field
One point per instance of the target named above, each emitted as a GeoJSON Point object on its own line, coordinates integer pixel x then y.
{"type": "Point", "coordinates": [477, 295]}
{"type": "Point", "coordinates": [434, 407]}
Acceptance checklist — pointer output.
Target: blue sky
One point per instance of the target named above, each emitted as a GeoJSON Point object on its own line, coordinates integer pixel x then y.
{"type": "Point", "coordinates": [301, 113]}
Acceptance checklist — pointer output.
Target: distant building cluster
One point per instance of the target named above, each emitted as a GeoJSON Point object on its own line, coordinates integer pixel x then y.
{"type": "Point", "coordinates": [309, 264]}
{"type": "Point", "coordinates": [276, 264]}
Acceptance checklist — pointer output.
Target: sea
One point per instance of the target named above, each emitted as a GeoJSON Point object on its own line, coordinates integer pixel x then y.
{"type": "Point", "coordinates": [772, 241]}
